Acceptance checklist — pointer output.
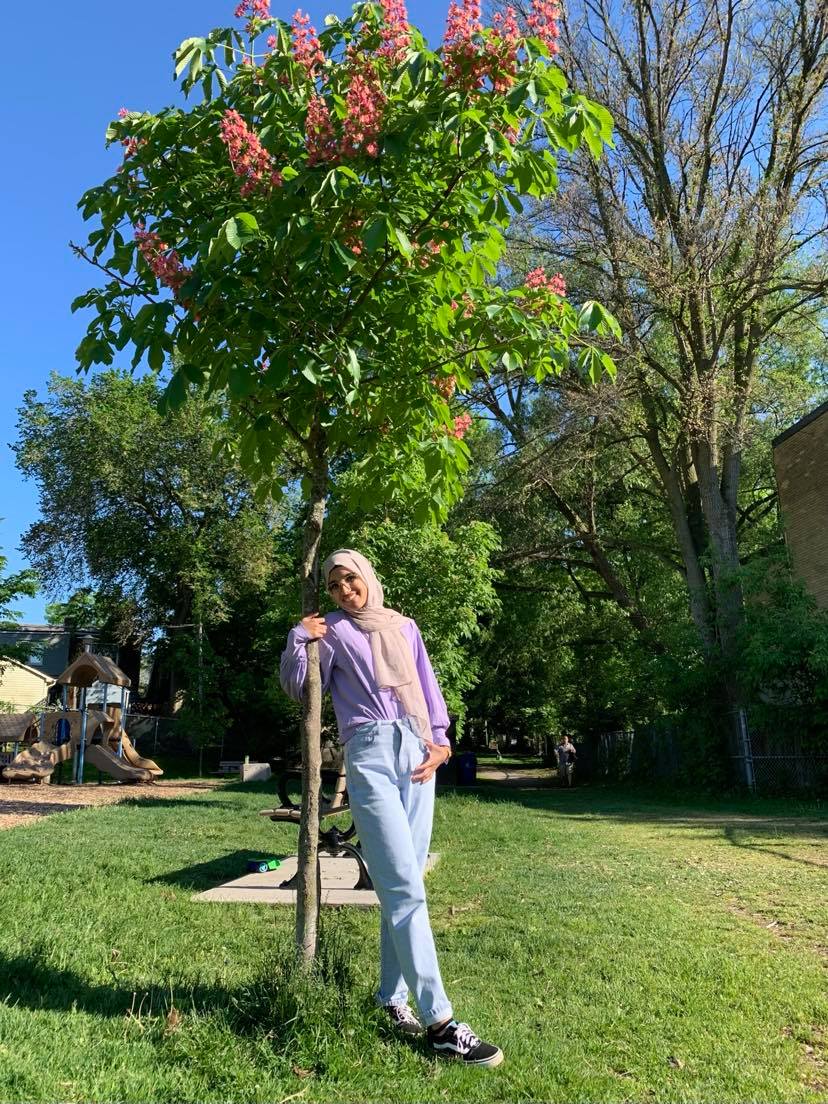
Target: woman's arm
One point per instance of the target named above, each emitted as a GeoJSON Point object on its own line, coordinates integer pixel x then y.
{"type": "Point", "coordinates": [293, 669]}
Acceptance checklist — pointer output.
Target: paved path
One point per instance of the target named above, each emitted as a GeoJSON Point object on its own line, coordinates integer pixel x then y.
{"type": "Point", "coordinates": [527, 778]}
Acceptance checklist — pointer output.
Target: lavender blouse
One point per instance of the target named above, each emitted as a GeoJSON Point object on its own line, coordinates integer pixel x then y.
{"type": "Point", "coordinates": [348, 672]}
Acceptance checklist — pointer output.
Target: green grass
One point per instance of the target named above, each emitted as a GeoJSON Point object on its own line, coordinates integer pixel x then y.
{"type": "Point", "coordinates": [618, 947]}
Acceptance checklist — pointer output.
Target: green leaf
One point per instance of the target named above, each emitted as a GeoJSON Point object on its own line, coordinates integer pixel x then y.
{"type": "Point", "coordinates": [353, 363]}
{"type": "Point", "coordinates": [594, 316]}
{"type": "Point", "coordinates": [590, 364]}
{"type": "Point", "coordinates": [231, 233]}
{"type": "Point", "coordinates": [349, 174]}
{"type": "Point", "coordinates": [238, 231]}
{"type": "Point", "coordinates": [156, 356]}
{"type": "Point", "coordinates": [345, 255]}
{"type": "Point", "coordinates": [192, 373]}
{"type": "Point", "coordinates": [248, 223]}
{"type": "Point", "coordinates": [406, 248]}
{"type": "Point", "coordinates": [174, 395]}
{"type": "Point", "coordinates": [375, 233]}
{"type": "Point", "coordinates": [183, 54]}
{"type": "Point", "coordinates": [242, 382]}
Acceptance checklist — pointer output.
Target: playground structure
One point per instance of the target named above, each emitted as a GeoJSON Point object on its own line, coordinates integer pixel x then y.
{"type": "Point", "coordinates": [86, 732]}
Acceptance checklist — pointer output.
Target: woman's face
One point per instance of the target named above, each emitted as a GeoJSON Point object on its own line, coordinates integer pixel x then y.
{"type": "Point", "coordinates": [348, 590]}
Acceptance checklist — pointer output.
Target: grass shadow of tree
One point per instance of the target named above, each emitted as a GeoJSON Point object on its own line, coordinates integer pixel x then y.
{"type": "Point", "coordinates": [214, 872]}
{"type": "Point", "coordinates": [35, 981]}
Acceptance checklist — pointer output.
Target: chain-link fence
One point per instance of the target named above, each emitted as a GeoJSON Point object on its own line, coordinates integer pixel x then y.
{"type": "Point", "coordinates": [156, 735]}
{"type": "Point", "coordinates": [781, 749]}
{"type": "Point", "coordinates": [767, 751]}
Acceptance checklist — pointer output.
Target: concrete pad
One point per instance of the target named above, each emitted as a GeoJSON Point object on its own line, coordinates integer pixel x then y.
{"type": "Point", "coordinates": [338, 876]}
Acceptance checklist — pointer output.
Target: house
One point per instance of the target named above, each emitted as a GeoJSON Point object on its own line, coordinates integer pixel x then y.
{"type": "Point", "coordinates": [22, 686]}
{"type": "Point", "coordinates": [54, 647]}
{"type": "Point", "coordinates": [800, 457]}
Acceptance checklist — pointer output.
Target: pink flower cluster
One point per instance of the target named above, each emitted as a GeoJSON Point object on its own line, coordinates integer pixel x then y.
{"type": "Point", "coordinates": [395, 32]}
{"type": "Point", "coordinates": [320, 140]}
{"type": "Point", "coordinates": [446, 385]}
{"type": "Point", "coordinates": [502, 50]}
{"type": "Point", "coordinates": [254, 9]}
{"type": "Point", "coordinates": [249, 158]}
{"type": "Point", "coordinates": [426, 251]}
{"type": "Point", "coordinates": [132, 145]}
{"type": "Point", "coordinates": [307, 50]}
{"type": "Point", "coordinates": [164, 263]}
{"type": "Point", "coordinates": [461, 426]}
{"type": "Point", "coordinates": [460, 52]}
{"type": "Point", "coordinates": [468, 305]}
{"type": "Point", "coordinates": [543, 23]}
{"type": "Point", "coordinates": [537, 280]}
{"type": "Point", "coordinates": [353, 241]}
{"type": "Point", "coordinates": [470, 63]}
{"type": "Point", "coordinates": [365, 102]}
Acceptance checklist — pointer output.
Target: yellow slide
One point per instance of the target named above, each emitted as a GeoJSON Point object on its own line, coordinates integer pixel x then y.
{"type": "Point", "coordinates": [135, 760]}
{"type": "Point", "coordinates": [37, 761]}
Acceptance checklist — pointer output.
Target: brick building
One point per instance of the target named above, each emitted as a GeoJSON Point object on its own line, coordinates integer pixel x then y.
{"type": "Point", "coordinates": [800, 457]}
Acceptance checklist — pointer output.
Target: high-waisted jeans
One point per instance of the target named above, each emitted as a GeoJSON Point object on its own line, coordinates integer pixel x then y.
{"type": "Point", "coordinates": [393, 817]}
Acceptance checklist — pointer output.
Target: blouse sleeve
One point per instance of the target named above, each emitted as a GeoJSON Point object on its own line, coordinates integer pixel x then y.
{"type": "Point", "coordinates": [437, 712]}
{"type": "Point", "coordinates": [294, 666]}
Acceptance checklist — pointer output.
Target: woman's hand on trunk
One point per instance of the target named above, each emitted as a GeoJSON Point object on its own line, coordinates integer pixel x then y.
{"type": "Point", "coordinates": [314, 626]}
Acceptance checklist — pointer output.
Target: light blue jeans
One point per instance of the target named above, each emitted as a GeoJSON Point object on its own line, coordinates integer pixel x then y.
{"type": "Point", "coordinates": [393, 817]}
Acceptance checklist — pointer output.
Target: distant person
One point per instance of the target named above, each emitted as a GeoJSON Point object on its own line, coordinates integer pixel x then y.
{"type": "Point", "coordinates": [567, 755]}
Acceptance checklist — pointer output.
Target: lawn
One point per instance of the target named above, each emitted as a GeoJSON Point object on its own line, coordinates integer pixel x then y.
{"type": "Point", "coordinates": [618, 948]}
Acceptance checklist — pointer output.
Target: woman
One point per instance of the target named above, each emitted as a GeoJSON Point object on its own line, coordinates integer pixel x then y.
{"type": "Point", "coordinates": [392, 722]}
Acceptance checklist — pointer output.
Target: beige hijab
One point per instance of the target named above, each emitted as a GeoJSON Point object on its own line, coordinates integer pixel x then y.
{"type": "Point", "coordinates": [394, 666]}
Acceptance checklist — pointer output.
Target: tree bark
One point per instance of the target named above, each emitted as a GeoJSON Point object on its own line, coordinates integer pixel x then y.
{"type": "Point", "coordinates": [308, 887]}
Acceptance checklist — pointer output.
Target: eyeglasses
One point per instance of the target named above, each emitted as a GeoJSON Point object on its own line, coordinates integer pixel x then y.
{"type": "Point", "coordinates": [336, 586]}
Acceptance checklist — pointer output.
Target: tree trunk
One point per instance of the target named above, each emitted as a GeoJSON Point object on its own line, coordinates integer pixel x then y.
{"type": "Point", "coordinates": [699, 600]}
{"type": "Point", "coordinates": [308, 888]}
{"type": "Point", "coordinates": [721, 528]}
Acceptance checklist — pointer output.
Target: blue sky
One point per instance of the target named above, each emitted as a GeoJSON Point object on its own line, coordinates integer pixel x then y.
{"type": "Point", "coordinates": [66, 87]}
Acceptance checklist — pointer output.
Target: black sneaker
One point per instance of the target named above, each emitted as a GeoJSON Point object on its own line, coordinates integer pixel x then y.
{"type": "Point", "coordinates": [457, 1040]}
{"type": "Point", "coordinates": [403, 1019]}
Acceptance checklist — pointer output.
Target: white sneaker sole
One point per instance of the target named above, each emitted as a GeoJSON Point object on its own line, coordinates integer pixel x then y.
{"type": "Point", "coordinates": [490, 1063]}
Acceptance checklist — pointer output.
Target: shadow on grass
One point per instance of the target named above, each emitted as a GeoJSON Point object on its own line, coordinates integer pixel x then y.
{"type": "Point", "coordinates": [33, 981]}
{"type": "Point", "coordinates": [754, 845]}
{"type": "Point", "coordinates": [302, 1012]}
{"type": "Point", "coordinates": [208, 875]}
{"type": "Point", "coordinates": [38, 808]}
{"type": "Point", "coordinates": [167, 803]}
{"type": "Point", "coordinates": [675, 810]}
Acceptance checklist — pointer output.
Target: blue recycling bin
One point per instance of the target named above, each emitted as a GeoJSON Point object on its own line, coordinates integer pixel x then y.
{"type": "Point", "coordinates": [466, 768]}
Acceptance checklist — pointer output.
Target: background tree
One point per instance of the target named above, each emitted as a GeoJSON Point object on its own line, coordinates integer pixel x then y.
{"type": "Point", "coordinates": [142, 506]}
{"type": "Point", "coordinates": [702, 230]}
{"type": "Point", "coordinates": [18, 585]}
{"type": "Point", "coordinates": [596, 668]}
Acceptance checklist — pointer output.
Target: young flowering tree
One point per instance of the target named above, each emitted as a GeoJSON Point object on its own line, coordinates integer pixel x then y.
{"type": "Point", "coordinates": [317, 241]}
